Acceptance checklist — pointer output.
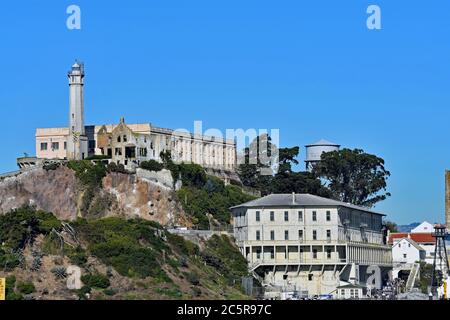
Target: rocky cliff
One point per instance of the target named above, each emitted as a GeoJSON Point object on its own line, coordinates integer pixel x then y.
{"type": "Point", "coordinates": [145, 194]}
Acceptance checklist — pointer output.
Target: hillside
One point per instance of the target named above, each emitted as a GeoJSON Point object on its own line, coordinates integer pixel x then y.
{"type": "Point", "coordinates": [113, 225]}
{"type": "Point", "coordinates": [119, 259]}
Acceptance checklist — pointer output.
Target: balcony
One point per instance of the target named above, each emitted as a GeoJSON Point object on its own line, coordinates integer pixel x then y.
{"type": "Point", "coordinates": [306, 261]}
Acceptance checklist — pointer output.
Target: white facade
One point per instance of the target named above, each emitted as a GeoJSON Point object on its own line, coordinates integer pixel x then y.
{"type": "Point", "coordinates": [424, 227]}
{"type": "Point", "coordinates": [128, 144]}
{"type": "Point", "coordinates": [313, 243]}
{"type": "Point", "coordinates": [407, 251]}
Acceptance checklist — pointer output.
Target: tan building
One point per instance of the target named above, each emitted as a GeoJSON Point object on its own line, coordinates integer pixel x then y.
{"type": "Point", "coordinates": [127, 144]}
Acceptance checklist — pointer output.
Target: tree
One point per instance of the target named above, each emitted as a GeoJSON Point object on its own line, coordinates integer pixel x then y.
{"type": "Point", "coordinates": [391, 226]}
{"type": "Point", "coordinates": [287, 158]}
{"type": "Point", "coordinates": [166, 158]}
{"type": "Point", "coordinates": [354, 176]}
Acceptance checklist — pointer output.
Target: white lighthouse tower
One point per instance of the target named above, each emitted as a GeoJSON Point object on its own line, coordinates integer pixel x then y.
{"type": "Point", "coordinates": [77, 141]}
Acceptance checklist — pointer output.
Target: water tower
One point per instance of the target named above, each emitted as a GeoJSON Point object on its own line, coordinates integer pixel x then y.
{"type": "Point", "coordinates": [315, 150]}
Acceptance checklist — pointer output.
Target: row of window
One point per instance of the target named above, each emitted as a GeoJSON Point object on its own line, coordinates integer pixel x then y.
{"type": "Point", "coordinates": [272, 253]}
{"type": "Point", "coordinates": [55, 146]}
{"type": "Point", "coordinates": [299, 216]}
{"type": "Point", "coordinates": [286, 235]}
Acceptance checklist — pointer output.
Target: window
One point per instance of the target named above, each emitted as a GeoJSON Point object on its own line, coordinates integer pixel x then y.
{"type": "Point", "coordinates": [55, 145]}
{"type": "Point", "coordinates": [125, 139]}
{"type": "Point", "coordinates": [300, 234]}
{"type": "Point", "coordinates": [272, 254]}
{"type": "Point", "coordinates": [258, 235]}
{"type": "Point", "coordinates": [272, 235]}
{"type": "Point", "coordinates": [286, 216]}
{"type": "Point", "coordinates": [44, 146]}
{"type": "Point", "coordinates": [258, 217]}
{"type": "Point", "coordinates": [258, 254]}
{"type": "Point", "coordinates": [328, 234]}
{"type": "Point", "coordinates": [65, 145]}
{"type": "Point", "coordinates": [272, 216]}
{"type": "Point", "coordinates": [404, 256]}
{"type": "Point", "coordinates": [314, 216]}
{"type": "Point", "coordinates": [119, 139]}
{"type": "Point", "coordinates": [328, 216]}
{"type": "Point", "coordinates": [286, 234]}
{"type": "Point", "coordinates": [343, 292]}
{"type": "Point", "coordinates": [409, 245]}
{"type": "Point", "coordinates": [314, 253]}
{"type": "Point", "coordinates": [314, 234]}
{"type": "Point", "coordinates": [118, 151]}
{"type": "Point", "coordinates": [310, 277]}
{"type": "Point", "coordinates": [329, 254]}
{"type": "Point", "coordinates": [300, 216]}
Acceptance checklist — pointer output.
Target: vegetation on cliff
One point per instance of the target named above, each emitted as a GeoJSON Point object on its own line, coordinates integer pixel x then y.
{"type": "Point", "coordinates": [113, 251]}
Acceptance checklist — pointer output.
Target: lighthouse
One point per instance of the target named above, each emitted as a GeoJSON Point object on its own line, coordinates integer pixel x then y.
{"type": "Point", "coordinates": [77, 141]}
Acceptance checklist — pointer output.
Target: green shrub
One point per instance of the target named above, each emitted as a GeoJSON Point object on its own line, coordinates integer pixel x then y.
{"type": "Point", "coordinates": [22, 225]}
{"type": "Point", "coordinates": [214, 198]}
{"type": "Point", "coordinates": [192, 175]}
{"type": "Point", "coordinates": [8, 260]}
{"type": "Point", "coordinates": [98, 157]}
{"type": "Point", "coordinates": [26, 287]}
{"type": "Point", "coordinates": [151, 165]}
{"type": "Point", "coordinates": [221, 254]}
{"type": "Point", "coordinates": [110, 292]}
{"type": "Point", "coordinates": [10, 289]}
{"type": "Point", "coordinates": [183, 246]}
{"type": "Point", "coordinates": [51, 166]}
{"type": "Point", "coordinates": [170, 292]}
{"type": "Point", "coordinates": [90, 175]}
{"type": "Point", "coordinates": [78, 256]}
{"type": "Point", "coordinates": [95, 281]}
{"type": "Point", "coordinates": [113, 167]}
{"type": "Point", "coordinates": [133, 247]}
{"type": "Point", "coordinates": [193, 278]}
{"type": "Point", "coordinates": [83, 291]}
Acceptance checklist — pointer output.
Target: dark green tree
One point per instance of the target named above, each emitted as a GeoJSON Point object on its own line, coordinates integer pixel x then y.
{"type": "Point", "coordinates": [391, 226]}
{"type": "Point", "coordinates": [287, 158]}
{"type": "Point", "coordinates": [354, 176]}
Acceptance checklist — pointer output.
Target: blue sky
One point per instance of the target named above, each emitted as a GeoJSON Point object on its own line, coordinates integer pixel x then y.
{"type": "Point", "coordinates": [310, 68]}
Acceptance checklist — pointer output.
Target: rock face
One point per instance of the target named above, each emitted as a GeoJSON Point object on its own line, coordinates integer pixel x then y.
{"type": "Point", "coordinates": [54, 191]}
{"type": "Point", "coordinates": [148, 195]}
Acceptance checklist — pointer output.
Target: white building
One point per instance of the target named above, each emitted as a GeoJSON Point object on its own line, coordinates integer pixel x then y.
{"type": "Point", "coordinates": [128, 144]}
{"type": "Point", "coordinates": [424, 239]}
{"type": "Point", "coordinates": [407, 251]}
{"type": "Point", "coordinates": [424, 227]}
{"type": "Point", "coordinates": [310, 242]}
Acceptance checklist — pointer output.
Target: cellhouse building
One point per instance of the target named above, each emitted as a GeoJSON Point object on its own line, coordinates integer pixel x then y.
{"type": "Point", "coordinates": [312, 244]}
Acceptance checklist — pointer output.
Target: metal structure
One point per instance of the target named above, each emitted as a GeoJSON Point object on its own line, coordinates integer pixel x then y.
{"type": "Point", "coordinates": [314, 152]}
{"type": "Point", "coordinates": [440, 261]}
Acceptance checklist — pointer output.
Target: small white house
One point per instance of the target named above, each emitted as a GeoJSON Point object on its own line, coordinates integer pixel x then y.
{"type": "Point", "coordinates": [424, 227]}
{"type": "Point", "coordinates": [350, 291]}
{"type": "Point", "coordinates": [407, 251]}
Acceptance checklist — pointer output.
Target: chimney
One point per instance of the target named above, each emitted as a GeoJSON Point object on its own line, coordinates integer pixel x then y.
{"type": "Point", "coordinates": [447, 198]}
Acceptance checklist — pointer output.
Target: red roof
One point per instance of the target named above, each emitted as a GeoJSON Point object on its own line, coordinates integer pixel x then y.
{"type": "Point", "coordinates": [417, 237]}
